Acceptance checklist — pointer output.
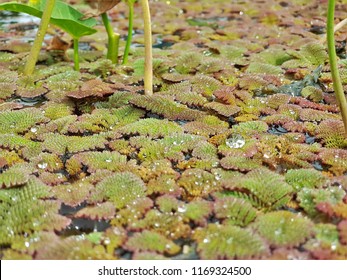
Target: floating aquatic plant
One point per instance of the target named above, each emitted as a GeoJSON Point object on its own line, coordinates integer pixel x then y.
{"type": "Point", "coordinates": [305, 178]}
{"type": "Point", "coordinates": [310, 198]}
{"type": "Point", "coordinates": [23, 211]}
{"type": "Point", "coordinates": [151, 241]}
{"type": "Point", "coordinates": [283, 228]}
{"type": "Point", "coordinates": [16, 175]}
{"type": "Point", "coordinates": [339, 93]}
{"type": "Point", "coordinates": [262, 188]}
{"type": "Point", "coordinates": [121, 189]}
{"type": "Point", "coordinates": [21, 120]}
{"type": "Point", "coordinates": [234, 211]}
{"type": "Point", "coordinates": [73, 248]}
{"type": "Point", "coordinates": [228, 242]}
{"type": "Point", "coordinates": [239, 154]}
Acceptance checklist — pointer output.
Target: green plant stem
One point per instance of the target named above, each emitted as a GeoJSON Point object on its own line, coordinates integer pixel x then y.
{"type": "Point", "coordinates": [130, 32]}
{"type": "Point", "coordinates": [113, 39]}
{"type": "Point", "coordinates": [40, 35]}
{"type": "Point", "coordinates": [339, 93]}
{"type": "Point", "coordinates": [148, 79]}
{"type": "Point", "coordinates": [76, 58]}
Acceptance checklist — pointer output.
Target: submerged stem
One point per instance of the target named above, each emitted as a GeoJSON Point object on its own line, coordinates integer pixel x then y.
{"type": "Point", "coordinates": [148, 79]}
{"type": "Point", "coordinates": [113, 39]}
{"type": "Point", "coordinates": [40, 35]}
{"type": "Point", "coordinates": [130, 31]}
{"type": "Point", "coordinates": [76, 58]}
{"type": "Point", "coordinates": [339, 93]}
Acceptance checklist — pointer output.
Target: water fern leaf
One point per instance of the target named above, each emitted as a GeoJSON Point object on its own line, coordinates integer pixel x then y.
{"type": "Point", "coordinates": [100, 211]}
{"type": "Point", "coordinates": [121, 189]}
{"type": "Point", "coordinates": [20, 120]}
{"type": "Point", "coordinates": [152, 127]}
{"type": "Point", "coordinates": [151, 241]}
{"type": "Point", "coordinates": [234, 211]}
{"type": "Point", "coordinates": [16, 175]}
{"type": "Point", "coordinates": [283, 228]}
{"type": "Point", "coordinates": [228, 242]}
{"type": "Point", "coordinates": [262, 187]}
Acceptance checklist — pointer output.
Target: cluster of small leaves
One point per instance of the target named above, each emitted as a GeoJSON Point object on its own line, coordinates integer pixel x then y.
{"type": "Point", "coordinates": [282, 228]}
{"type": "Point", "coordinates": [262, 188]}
{"type": "Point", "coordinates": [238, 154]}
{"type": "Point", "coordinates": [228, 241]}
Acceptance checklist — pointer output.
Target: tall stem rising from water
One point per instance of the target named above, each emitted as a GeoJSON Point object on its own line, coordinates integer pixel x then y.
{"type": "Point", "coordinates": [148, 79]}
{"type": "Point", "coordinates": [130, 30]}
{"type": "Point", "coordinates": [113, 39]}
{"type": "Point", "coordinates": [339, 93]}
{"type": "Point", "coordinates": [36, 47]}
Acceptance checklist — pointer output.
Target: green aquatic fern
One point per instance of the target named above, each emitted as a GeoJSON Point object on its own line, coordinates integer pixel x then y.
{"type": "Point", "coordinates": [170, 225]}
{"type": "Point", "coordinates": [166, 107]}
{"type": "Point", "coordinates": [250, 128]}
{"type": "Point", "coordinates": [22, 211]}
{"type": "Point", "coordinates": [188, 62]}
{"type": "Point", "coordinates": [120, 188]}
{"type": "Point", "coordinates": [312, 115]}
{"type": "Point", "coordinates": [96, 160]}
{"type": "Point", "coordinates": [171, 147]}
{"type": "Point", "coordinates": [240, 163]}
{"type": "Point", "coordinates": [16, 175]}
{"type": "Point", "coordinates": [305, 178]}
{"type": "Point", "coordinates": [76, 247]}
{"type": "Point", "coordinates": [207, 126]}
{"type": "Point", "coordinates": [204, 84]}
{"type": "Point", "coordinates": [72, 194]}
{"type": "Point", "coordinates": [228, 242]}
{"type": "Point", "coordinates": [99, 211]}
{"type": "Point", "coordinates": [105, 119]}
{"type": "Point", "coordinates": [163, 184]}
{"type": "Point", "coordinates": [20, 120]}
{"type": "Point", "coordinates": [264, 188]}
{"type": "Point", "coordinates": [331, 132]}
{"type": "Point", "coordinates": [283, 228]}
{"type": "Point", "coordinates": [151, 241]}
{"type": "Point", "coordinates": [132, 212]}
{"type": "Point", "coordinates": [151, 127]}
{"type": "Point", "coordinates": [223, 109]}
{"type": "Point", "coordinates": [276, 100]}
{"type": "Point", "coordinates": [197, 211]}
{"type": "Point", "coordinates": [55, 110]}
{"type": "Point", "coordinates": [309, 55]}
{"type": "Point", "coordinates": [336, 159]}
{"type": "Point", "coordinates": [60, 144]}
{"type": "Point", "coordinates": [272, 56]}
{"type": "Point", "coordinates": [312, 93]}
{"type": "Point", "coordinates": [205, 150]}
{"type": "Point", "coordinates": [309, 198]}
{"type": "Point", "coordinates": [264, 68]}
{"type": "Point", "coordinates": [234, 211]}
{"type": "Point", "coordinates": [198, 183]}
{"type": "Point", "coordinates": [26, 147]}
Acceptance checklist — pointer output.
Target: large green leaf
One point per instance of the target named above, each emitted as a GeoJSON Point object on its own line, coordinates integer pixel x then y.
{"type": "Point", "coordinates": [63, 16]}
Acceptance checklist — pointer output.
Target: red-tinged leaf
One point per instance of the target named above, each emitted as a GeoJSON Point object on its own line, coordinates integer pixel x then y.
{"type": "Point", "coordinates": [92, 88]}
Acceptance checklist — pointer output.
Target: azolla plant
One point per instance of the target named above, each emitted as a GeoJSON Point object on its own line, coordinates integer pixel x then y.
{"type": "Point", "coordinates": [240, 152]}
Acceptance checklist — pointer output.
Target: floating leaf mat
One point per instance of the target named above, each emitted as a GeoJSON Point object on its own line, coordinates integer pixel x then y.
{"type": "Point", "coordinates": [239, 154]}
